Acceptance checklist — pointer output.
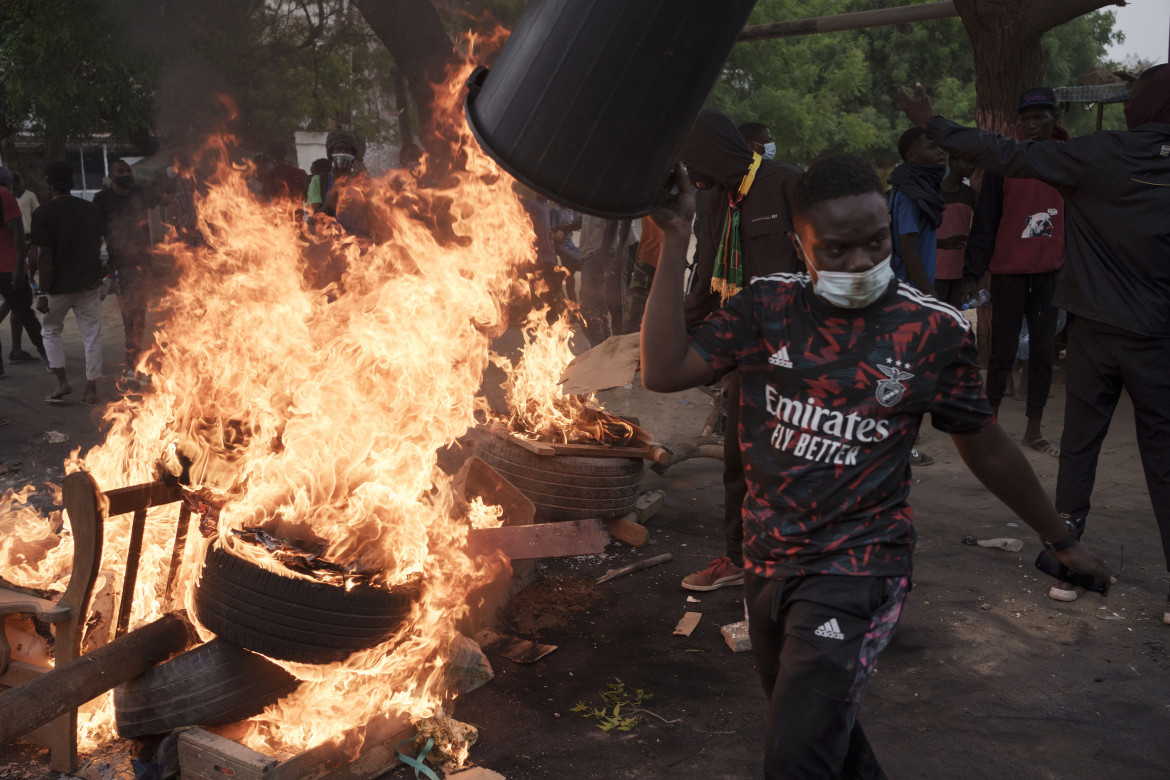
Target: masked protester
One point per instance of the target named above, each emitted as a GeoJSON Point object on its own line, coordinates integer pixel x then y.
{"type": "Point", "coordinates": [839, 366]}
{"type": "Point", "coordinates": [745, 235]}
{"type": "Point", "coordinates": [1115, 280]}
{"type": "Point", "coordinates": [759, 139]}
{"type": "Point", "coordinates": [341, 195]}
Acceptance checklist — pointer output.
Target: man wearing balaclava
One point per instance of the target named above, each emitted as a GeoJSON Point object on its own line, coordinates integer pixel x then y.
{"type": "Point", "coordinates": [341, 196]}
{"type": "Point", "coordinates": [1116, 280]}
{"type": "Point", "coordinates": [747, 220]}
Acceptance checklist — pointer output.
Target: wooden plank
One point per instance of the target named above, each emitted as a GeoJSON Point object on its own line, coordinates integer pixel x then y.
{"type": "Point", "coordinates": [542, 540]}
{"type": "Point", "coordinates": [540, 448]}
{"type": "Point", "coordinates": [329, 762]}
{"type": "Point", "coordinates": [646, 563]}
{"type": "Point", "coordinates": [54, 693]}
{"type": "Point", "coordinates": [628, 530]}
{"type": "Point", "coordinates": [12, 603]}
{"type": "Point", "coordinates": [207, 756]}
{"type": "Point", "coordinates": [687, 624]}
{"type": "Point", "coordinates": [127, 499]}
{"type": "Point", "coordinates": [600, 450]}
{"type": "Point", "coordinates": [133, 553]}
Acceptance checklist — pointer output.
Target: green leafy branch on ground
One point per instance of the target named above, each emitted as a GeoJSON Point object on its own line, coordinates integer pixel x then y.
{"type": "Point", "coordinates": [620, 709]}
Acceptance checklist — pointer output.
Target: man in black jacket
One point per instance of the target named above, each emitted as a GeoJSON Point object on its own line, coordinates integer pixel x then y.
{"type": "Point", "coordinates": [747, 224]}
{"type": "Point", "coordinates": [1116, 279]}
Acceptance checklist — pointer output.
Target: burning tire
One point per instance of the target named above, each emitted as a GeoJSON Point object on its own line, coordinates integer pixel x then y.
{"type": "Point", "coordinates": [212, 685]}
{"type": "Point", "coordinates": [566, 487]}
{"type": "Point", "coordinates": [295, 619]}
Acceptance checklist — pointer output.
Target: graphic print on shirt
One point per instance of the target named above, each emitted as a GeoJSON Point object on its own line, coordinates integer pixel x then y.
{"type": "Point", "coordinates": [890, 390]}
{"type": "Point", "coordinates": [1039, 225]}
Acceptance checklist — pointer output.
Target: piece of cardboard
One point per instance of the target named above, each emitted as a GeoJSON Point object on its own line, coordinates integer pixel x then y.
{"type": "Point", "coordinates": [611, 363]}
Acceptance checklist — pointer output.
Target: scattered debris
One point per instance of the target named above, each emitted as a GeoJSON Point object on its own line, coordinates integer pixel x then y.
{"type": "Point", "coordinates": [736, 635]}
{"type": "Point", "coordinates": [687, 624]}
{"type": "Point", "coordinates": [467, 666]}
{"type": "Point", "coordinates": [55, 437]}
{"type": "Point", "coordinates": [452, 741]}
{"type": "Point", "coordinates": [10, 466]}
{"type": "Point", "coordinates": [692, 600]}
{"type": "Point", "coordinates": [476, 773]}
{"type": "Point", "coordinates": [522, 651]}
{"type": "Point", "coordinates": [645, 563]}
{"type": "Point", "coordinates": [1001, 543]}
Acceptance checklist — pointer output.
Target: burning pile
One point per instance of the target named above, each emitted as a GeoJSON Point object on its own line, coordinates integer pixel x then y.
{"type": "Point", "coordinates": [315, 415]}
{"type": "Point", "coordinates": [538, 407]}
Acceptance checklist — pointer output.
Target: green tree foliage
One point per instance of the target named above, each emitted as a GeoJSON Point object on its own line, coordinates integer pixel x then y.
{"type": "Point", "coordinates": [836, 92]}
{"type": "Point", "coordinates": [286, 65]}
{"type": "Point", "coordinates": [68, 72]}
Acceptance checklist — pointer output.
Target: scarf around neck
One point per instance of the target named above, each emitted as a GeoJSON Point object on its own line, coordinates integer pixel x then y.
{"type": "Point", "coordinates": [727, 277]}
{"type": "Point", "coordinates": [922, 184]}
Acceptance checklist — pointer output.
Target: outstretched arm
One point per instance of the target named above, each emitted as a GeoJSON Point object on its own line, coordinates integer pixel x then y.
{"type": "Point", "coordinates": [1002, 468]}
{"type": "Point", "coordinates": [669, 363]}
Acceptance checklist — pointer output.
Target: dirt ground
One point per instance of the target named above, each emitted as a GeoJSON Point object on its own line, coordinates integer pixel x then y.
{"type": "Point", "coordinates": [986, 677]}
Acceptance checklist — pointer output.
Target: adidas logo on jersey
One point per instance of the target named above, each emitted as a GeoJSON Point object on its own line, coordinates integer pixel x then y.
{"type": "Point", "coordinates": [781, 358]}
{"type": "Point", "coordinates": [830, 630]}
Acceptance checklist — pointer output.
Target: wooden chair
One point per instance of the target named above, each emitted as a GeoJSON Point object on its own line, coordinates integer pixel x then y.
{"type": "Point", "coordinates": [87, 507]}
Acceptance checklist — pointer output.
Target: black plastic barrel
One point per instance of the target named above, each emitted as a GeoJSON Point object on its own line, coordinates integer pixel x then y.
{"type": "Point", "coordinates": [590, 100]}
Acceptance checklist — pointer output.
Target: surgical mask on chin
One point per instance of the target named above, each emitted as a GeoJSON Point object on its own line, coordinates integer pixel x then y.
{"type": "Point", "coordinates": [770, 150]}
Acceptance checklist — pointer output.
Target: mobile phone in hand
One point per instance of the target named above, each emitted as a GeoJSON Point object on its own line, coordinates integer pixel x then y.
{"type": "Point", "coordinates": [1051, 565]}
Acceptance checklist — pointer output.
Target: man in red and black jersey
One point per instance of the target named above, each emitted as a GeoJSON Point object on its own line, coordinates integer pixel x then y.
{"type": "Point", "coordinates": [839, 365]}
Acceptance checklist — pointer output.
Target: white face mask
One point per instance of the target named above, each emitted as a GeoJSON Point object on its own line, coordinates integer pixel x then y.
{"type": "Point", "coordinates": [770, 150]}
{"type": "Point", "coordinates": [850, 290]}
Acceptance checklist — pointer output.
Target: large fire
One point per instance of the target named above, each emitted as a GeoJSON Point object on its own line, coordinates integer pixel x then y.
{"type": "Point", "coordinates": [316, 414]}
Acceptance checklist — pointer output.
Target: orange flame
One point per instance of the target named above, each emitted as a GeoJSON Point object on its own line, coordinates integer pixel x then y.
{"type": "Point", "coordinates": [538, 407]}
{"type": "Point", "coordinates": [316, 413]}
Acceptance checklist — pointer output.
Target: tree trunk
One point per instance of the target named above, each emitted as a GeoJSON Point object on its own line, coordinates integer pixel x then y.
{"type": "Point", "coordinates": [413, 33]}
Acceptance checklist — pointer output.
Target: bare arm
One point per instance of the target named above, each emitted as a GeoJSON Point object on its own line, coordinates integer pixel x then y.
{"type": "Point", "coordinates": [908, 244]}
{"type": "Point", "coordinates": [669, 363]}
{"type": "Point", "coordinates": [1002, 468]}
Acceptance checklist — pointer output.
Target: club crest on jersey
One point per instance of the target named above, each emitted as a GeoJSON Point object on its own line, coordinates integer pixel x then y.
{"type": "Point", "coordinates": [890, 390]}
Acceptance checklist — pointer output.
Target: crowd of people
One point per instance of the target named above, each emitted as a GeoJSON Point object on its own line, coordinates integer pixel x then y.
{"type": "Point", "coordinates": [824, 302]}
{"type": "Point", "coordinates": [67, 254]}
{"type": "Point", "coordinates": [838, 342]}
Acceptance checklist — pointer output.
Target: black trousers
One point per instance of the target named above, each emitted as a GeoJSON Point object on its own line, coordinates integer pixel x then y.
{"type": "Point", "coordinates": [734, 484]}
{"type": "Point", "coordinates": [815, 641]}
{"type": "Point", "coordinates": [20, 303]}
{"type": "Point", "coordinates": [1014, 298]}
{"type": "Point", "coordinates": [1101, 361]}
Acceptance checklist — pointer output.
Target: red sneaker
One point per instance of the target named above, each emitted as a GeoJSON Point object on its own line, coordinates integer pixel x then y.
{"type": "Point", "coordinates": [720, 573]}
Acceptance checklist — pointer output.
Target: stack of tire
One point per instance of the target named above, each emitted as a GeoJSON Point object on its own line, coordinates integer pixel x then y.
{"type": "Point", "coordinates": [565, 487]}
{"type": "Point", "coordinates": [253, 611]}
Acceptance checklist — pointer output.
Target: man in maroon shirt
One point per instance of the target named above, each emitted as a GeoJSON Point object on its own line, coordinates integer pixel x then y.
{"type": "Point", "coordinates": [839, 365]}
